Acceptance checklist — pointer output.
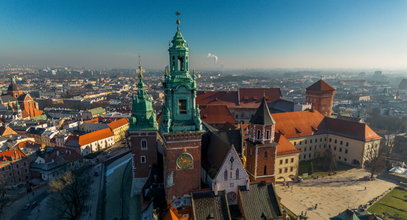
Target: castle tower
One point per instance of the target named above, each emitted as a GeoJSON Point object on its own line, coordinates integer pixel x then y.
{"type": "Point", "coordinates": [143, 133]}
{"type": "Point", "coordinates": [13, 89]}
{"type": "Point", "coordinates": [180, 124]}
{"type": "Point", "coordinates": [321, 96]}
{"type": "Point", "coordinates": [261, 149]}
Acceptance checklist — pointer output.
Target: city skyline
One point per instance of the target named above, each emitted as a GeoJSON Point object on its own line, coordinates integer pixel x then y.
{"type": "Point", "coordinates": [265, 35]}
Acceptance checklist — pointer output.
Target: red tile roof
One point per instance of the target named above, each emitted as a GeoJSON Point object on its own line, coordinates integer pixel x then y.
{"type": "Point", "coordinates": [297, 124]}
{"type": "Point", "coordinates": [6, 131]}
{"type": "Point", "coordinates": [310, 122]}
{"type": "Point", "coordinates": [243, 98]}
{"type": "Point", "coordinates": [284, 146]}
{"type": "Point", "coordinates": [217, 114]}
{"type": "Point", "coordinates": [118, 123]}
{"type": "Point", "coordinates": [94, 136]}
{"type": "Point", "coordinates": [11, 155]}
{"type": "Point", "coordinates": [321, 85]}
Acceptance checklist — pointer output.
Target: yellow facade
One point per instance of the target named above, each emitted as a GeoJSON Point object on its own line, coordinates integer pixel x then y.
{"type": "Point", "coordinates": [120, 132]}
{"type": "Point", "coordinates": [286, 166]}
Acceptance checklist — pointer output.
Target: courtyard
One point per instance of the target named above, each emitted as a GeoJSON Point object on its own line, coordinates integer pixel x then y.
{"type": "Point", "coordinates": [332, 194]}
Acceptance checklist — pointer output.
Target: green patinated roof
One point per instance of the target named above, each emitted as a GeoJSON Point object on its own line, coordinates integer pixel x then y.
{"type": "Point", "coordinates": [41, 117]}
{"type": "Point", "coordinates": [98, 110]}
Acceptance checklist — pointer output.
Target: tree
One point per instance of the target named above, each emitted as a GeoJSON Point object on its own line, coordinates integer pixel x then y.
{"type": "Point", "coordinates": [329, 162]}
{"type": "Point", "coordinates": [4, 199]}
{"type": "Point", "coordinates": [375, 163]}
{"type": "Point", "coordinates": [70, 193]}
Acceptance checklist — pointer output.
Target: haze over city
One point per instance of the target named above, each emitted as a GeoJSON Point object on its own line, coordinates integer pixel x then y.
{"type": "Point", "coordinates": [317, 34]}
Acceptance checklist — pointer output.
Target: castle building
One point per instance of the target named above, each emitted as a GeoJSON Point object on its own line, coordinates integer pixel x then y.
{"type": "Point", "coordinates": [321, 96]}
{"type": "Point", "coordinates": [143, 133]}
{"type": "Point", "coordinates": [180, 125]}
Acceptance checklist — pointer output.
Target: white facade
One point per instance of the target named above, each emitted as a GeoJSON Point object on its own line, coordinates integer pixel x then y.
{"type": "Point", "coordinates": [230, 176]}
{"type": "Point", "coordinates": [97, 145]}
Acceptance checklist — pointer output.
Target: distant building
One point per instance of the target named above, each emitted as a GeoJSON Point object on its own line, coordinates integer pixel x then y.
{"type": "Point", "coordinates": [16, 102]}
{"type": "Point", "coordinates": [53, 162]}
{"type": "Point", "coordinates": [321, 96]}
{"type": "Point", "coordinates": [14, 167]}
{"type": "Point", "coordinates": [91, 142]}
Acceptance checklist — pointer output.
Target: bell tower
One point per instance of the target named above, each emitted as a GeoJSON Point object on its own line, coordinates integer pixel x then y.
{"type": "Point", "coordinates": [261, 148]}
{"type": "Point", "coordinates": [180, 126]}
{"type": "Point", "coordinates": [143, 133]}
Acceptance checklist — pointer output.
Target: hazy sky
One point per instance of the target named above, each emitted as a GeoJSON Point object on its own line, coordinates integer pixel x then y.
{"type": "Point", "coordinates": [242, 34]}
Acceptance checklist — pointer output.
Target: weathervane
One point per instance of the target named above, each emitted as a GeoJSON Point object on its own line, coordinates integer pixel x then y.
{"type": "Point", "coordinates": [178, 21]}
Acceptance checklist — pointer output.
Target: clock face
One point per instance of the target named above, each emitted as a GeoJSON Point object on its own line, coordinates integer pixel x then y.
{"type": "Point", "coordinates": [185, 161]}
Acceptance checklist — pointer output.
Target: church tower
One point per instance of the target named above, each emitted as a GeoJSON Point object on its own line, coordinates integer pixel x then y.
{"type": "Point", "coordinates": [321, 96]}
{"type": "Point", "coordinates": [13, 89]}
{"type": "Point", "coordinates": [180, 124]}
{"type": "Point", "coordinates": [261, 148]}
{"type": "Point", "coordinates": [143, 133]}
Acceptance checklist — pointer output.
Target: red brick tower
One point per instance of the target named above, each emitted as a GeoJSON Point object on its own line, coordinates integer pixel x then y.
{"type": "Point", "coordinates": [261, 148]}
{"type": "Point", "coordinates": [13, 89]}
{"type": "Point", "coordinates": [321, 96]}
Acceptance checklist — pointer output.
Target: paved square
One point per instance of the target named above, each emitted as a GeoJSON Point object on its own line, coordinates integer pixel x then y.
{"type": "Point", "coordinates": [333, 194]}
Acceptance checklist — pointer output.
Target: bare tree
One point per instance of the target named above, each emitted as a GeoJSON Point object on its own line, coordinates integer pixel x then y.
{"type": "Point", "coordinates": [4, 199]}
{"type": "Point", "coordinates": [375, 163]}
{"type": "Point", "coordinates": [329, 162]}
{"type": "Point", "coordinates": [69, 194]}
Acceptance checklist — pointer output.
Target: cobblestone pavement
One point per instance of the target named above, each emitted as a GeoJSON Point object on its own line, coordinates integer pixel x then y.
{"type": "Point", "coordinates": [332, 194]}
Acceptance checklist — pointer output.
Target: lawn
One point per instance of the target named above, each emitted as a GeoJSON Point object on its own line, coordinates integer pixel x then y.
{"type": "Point", "coordinates": [393, 204]}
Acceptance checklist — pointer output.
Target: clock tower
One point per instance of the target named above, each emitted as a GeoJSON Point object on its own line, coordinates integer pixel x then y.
{"type": "Point", "coordinates": [180, 125]}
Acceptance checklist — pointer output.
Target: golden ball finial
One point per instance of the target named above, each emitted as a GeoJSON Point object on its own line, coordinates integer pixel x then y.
{"type": "Point", "coordinates": [178, 22]}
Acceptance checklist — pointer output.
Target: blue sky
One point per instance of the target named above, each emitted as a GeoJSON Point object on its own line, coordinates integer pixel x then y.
{"type": "Point", "coordinates": [243, 34]}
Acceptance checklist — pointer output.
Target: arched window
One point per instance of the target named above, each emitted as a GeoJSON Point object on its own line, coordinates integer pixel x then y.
{"type": "Point", "coordinates": [144, 144]}
{"type": "Point", "coordinates": [225, 175]}
{"type": "Point", "coordinates": [237, 173]}
{"type": "Point", "coordinates": [265, 170]}
{"type": "Point", "coordinates": [258, 134]}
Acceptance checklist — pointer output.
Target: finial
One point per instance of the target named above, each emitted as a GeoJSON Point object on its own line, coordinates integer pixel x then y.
{"type": "Point", "coordinates": [178, 21]}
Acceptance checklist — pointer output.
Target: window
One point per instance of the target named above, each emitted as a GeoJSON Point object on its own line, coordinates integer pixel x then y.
{"type": "Point", "coordinates": [335, 148]}
{"type": "Point", "coordinates": [267, 134]}
{"type": "Point", "coordinates": [285, 170]}
{"type": "Point", "coordinates": [341, 143]}
{"type": "Point", "coordinates": [346, 151]}
{"type": "Point", "coordinates": [340, 157]}
{"type": "Point", "coordinates": [182, 106]}
{"type": "Point", "coordinates": [280, 170]}
{"type": "Point", "coordinates": [144, 144]}
{"type": "Point", "coordinates": [309, 155]}
{"type": "Point", "coordinates": [265, 155]}
{"type": "Point", "coordinates": [320, 140]}
{"type": "Point", "coordinates": [237, 173]}
{"type": "Point", "coordinates": [345, 159]}
{"type": "Point", "coordinates": [310, 141]}
{"type": "Point", "coordinates": [281, 161]}
{"type": "Point", "coordinates": [305, 156]}
{"type": "Point", "coordinates": [347, 143]}
{"type": "Point", "coordinates": [295, 143]}
{"type": "Point", "coordinates": [258, 134]}
{"type": "Point", "coordinates": [330, 139]}
{"type": "Point", "coordinates": [292, 160]}
{"type": "Point", "coordinates": [340, 149]}
{"type": "Point", "coordinates": [305, 142]}
{"type": "Point", "coordinates": [265, 170]}
{"type": "Point", "coordinates": [316, 140]}
{"type": "Point", "coordinates": [286, 160]}
{"type": "Point", "coordinates": [336, 141]}
{"type": "Point", "coordinates": [225, 175]}
{"type": "Point", "coordinates": [291, 169]}
{"type": "Point", "coordinates": [142, 159]}
{"type": "Point", "coordinates": [300, 142]}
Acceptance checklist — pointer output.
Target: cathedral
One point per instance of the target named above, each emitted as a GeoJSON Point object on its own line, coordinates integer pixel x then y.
{"type": "Point", "coordinates": [15, 104]}
{"type": "Point", "coordinates": [179, 161]}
